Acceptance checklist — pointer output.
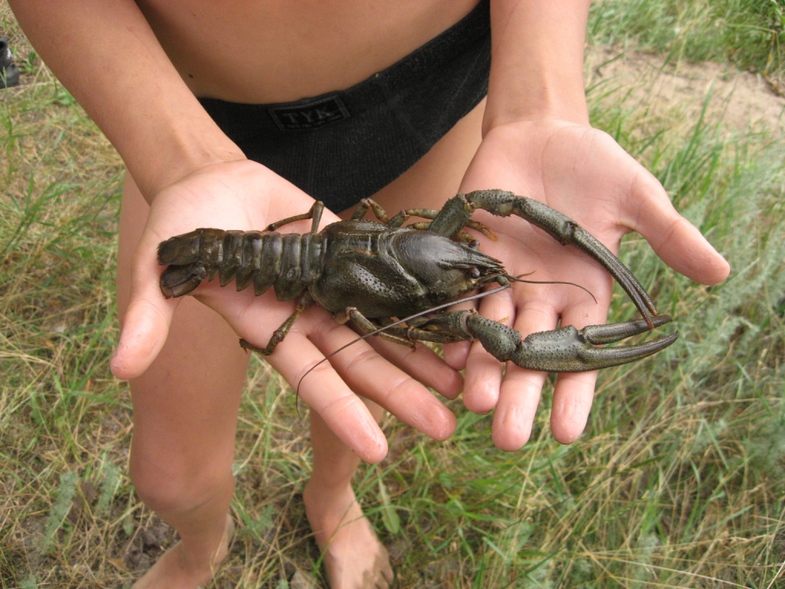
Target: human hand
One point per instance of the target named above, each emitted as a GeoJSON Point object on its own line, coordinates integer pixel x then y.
{"type": "Point", "coordinates": [585, 174]}
{"type": "Point", "coordinates": [243, 195]}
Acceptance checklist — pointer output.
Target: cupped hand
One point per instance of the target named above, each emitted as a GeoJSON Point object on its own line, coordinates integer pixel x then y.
{"type": "Point", "coordinates": [583, 173]}
{"type": "Point", "coordinates": [244, 195]}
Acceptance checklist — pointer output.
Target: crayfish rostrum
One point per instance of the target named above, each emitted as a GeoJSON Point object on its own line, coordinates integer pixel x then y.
{"type": "Point", "coordinates": [376, 272]}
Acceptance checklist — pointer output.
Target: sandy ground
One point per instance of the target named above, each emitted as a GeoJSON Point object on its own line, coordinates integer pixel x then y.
{"type": "Point", "coordinates": [741, 100]}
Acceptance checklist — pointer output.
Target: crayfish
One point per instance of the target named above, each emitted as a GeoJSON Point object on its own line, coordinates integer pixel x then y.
{"type": "Point", "coordinates": [389, 278]}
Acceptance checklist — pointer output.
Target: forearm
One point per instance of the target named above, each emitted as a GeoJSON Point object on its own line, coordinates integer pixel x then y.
{"type": "Point", "coordinates": [537, 63]}
{"type": "Point", "coordinates": [106, 54]}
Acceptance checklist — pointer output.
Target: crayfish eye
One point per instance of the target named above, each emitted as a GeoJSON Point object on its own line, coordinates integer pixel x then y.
{"type": "Point", "coordinates": [474, 273]}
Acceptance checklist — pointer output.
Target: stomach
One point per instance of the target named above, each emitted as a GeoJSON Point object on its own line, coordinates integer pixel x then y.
{"type": "Point", "coordinates": [263, 51]}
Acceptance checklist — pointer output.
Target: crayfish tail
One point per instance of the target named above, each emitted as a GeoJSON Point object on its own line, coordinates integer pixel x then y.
{"type": "Point", "coordinates": [178, 281]}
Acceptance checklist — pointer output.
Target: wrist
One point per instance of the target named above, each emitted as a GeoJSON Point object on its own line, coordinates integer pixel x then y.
{"type": "Point", "coordinates": [537, 63]}
{"type": "Point", "coordinates": [546, 106]}
{"type": "Point", "coordinates": [193, 144]}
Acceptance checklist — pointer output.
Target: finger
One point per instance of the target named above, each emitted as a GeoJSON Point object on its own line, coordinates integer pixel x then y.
{"type": "Point", "coordinates": [483, 371]}
{"type": "Point", "coordinates": [372, 376]}
{"type": "Point", "coordinates": [677, 241]}
{"type": "Point", "coordinates": [517, 407]}
{"type": "Point", "coordinates": [572, 401]}
{"type": "Point", "coordinates": [145, 329]}
{"type": "Point", "coordinates": [521, 389]}
{"type": "Point", "coordinates": [301, 364]}
{"type": "Point", "coordinates": [574, 392]}
{"type": "Point", "coordinates": [423, 364]}
{"type": "Point", "coordinates": [456, 354]}
{"type": "Point", "coordinates": [326, 393]}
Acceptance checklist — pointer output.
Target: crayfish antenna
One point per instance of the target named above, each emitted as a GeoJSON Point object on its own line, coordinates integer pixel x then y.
{"type": "Point", "coordinates": [519, 279]}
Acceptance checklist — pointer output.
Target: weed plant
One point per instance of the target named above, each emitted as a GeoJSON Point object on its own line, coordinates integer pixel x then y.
{"type": "Point", "coordinates": [678, 481]}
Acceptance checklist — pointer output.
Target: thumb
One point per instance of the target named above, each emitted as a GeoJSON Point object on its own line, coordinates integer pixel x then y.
{"type": "Point", "coordinates": [677, 241]}
{"type": "Point", "coordinates": [145, 326]}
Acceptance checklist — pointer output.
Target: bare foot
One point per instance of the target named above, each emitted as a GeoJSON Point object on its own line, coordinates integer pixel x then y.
{"type": "Point", "coordinates": [173, 571]}
{"type": "Point", "coordinates": [352, 554]}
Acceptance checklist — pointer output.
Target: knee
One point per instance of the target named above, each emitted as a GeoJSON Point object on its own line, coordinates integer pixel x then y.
{"type": "Point", "coordinates": [179, 489]}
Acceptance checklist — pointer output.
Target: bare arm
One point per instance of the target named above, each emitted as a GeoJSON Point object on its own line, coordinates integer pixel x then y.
{"type": "Point", "coordinates": [537, 66]}
{"type": "Point", "coordinates": [108, 57]}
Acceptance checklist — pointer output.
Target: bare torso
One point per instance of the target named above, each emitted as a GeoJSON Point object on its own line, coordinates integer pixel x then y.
{"type": "Point", "coordinates": [262, 51]}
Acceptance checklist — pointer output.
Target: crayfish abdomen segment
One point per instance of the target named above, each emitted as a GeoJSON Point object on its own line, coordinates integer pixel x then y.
{"type": "Point", "coordinates": [284, 261]}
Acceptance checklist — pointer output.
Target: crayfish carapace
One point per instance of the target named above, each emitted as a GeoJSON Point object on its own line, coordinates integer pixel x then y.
{"type": "Point", "coordinates": [374, 272]}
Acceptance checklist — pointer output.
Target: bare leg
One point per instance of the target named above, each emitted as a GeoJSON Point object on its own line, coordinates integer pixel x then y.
{"type": "Point", "coordinates": [185, 413]}
{"type": "Point", "coordinates": [185, 410]}
{"type": "Point", "coordinates": [353, 556]}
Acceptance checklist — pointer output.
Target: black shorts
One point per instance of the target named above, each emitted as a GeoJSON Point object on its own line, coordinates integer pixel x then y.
{"type": "Point", "coordinates": [342, 146]}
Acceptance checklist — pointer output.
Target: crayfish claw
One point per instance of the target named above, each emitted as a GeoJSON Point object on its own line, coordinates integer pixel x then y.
{"type": "Point", "coordinates": [571, 350]}
{"type": "Point", "coordinates": [614, 332]}
{"type": "Point", "coordinates": [567, 349]}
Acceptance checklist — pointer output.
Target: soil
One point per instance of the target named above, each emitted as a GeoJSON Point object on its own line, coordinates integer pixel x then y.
{"type": "Point", "coordinates": [741, 101]}
{"type": "Point", "coordinates": [147, 544]}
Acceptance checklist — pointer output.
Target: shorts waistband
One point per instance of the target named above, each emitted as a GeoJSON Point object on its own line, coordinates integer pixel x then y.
{"type": "Point", "coordinates": [242, 121]}
{"type": "Point", "coordinates": [342, 146]}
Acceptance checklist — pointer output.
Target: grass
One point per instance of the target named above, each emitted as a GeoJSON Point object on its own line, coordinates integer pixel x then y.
{"type": "Point", "coordinates": [678, 482]}
{"type": "Point", "coordinates": [748, 33]}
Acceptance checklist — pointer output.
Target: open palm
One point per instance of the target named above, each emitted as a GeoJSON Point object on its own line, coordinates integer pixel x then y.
{"type": "Point", "coordinates": [585, 174]}
{"type": "Point", "coordinates": [243, 195]}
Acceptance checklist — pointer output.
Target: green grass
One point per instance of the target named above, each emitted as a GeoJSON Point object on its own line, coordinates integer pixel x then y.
{"type": "Point", "coordinates": [748, 33]}
{"type": "Point", "coordinates": [678, 481]}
